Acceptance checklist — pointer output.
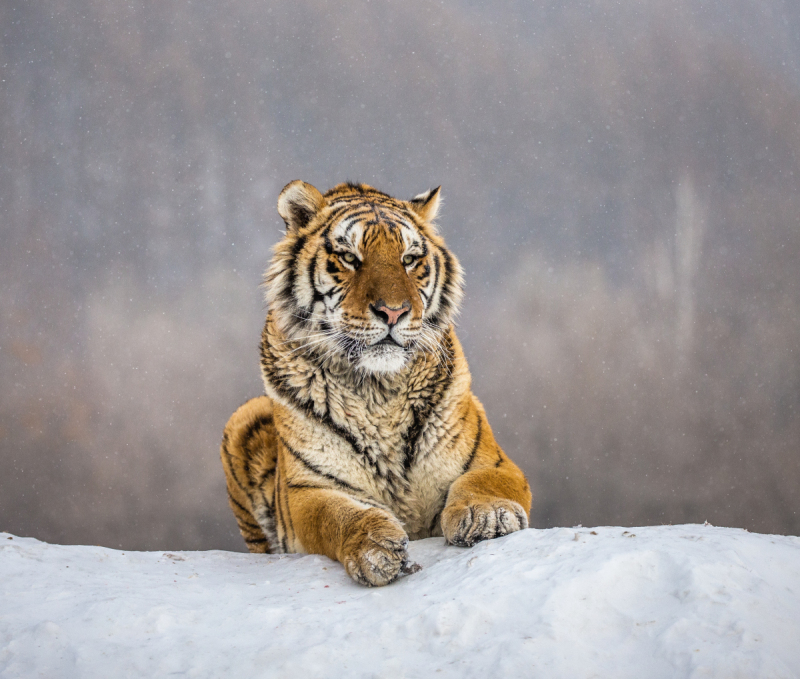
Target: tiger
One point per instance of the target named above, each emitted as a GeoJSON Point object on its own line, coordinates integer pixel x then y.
{"type": "Point", "coordinates": [368, 434]}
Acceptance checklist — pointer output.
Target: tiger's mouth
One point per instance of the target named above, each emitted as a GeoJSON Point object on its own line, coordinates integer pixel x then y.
{"type": "Point", "coordinates": [386, 355]}
{"type": "Point", "coordinates": [388, 341]}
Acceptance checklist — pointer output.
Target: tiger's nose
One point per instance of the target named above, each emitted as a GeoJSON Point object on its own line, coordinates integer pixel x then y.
{"type": "Point", "coordinates": [389, 315]}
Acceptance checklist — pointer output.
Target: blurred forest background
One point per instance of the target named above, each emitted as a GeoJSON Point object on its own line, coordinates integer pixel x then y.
{"type": "Point", "coordinates": [620, 181]}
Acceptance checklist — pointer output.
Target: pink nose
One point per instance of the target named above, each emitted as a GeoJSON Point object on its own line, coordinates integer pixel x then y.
{"type": "Point", "coordinates": [389, 315]}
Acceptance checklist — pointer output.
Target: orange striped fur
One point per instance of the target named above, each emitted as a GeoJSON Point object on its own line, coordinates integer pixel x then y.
{"type": "Point", "coordinates": [369, 434]}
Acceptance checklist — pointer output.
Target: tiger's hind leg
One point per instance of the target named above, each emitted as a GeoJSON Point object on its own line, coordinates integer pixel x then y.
{"type": "Point", "coordinates": [249, 455]}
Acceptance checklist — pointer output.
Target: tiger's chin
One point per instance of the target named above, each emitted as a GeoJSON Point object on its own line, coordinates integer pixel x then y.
{"type": "Point", "coordinates": [382, 358]}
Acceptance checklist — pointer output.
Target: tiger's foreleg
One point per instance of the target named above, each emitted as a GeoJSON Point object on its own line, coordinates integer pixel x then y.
{"type": "Point", "coordinates": [368, 541]}
{"type": "Point", "coordinates": [485, 504]}
{"type": "Point", "coordinates": [492, 498]}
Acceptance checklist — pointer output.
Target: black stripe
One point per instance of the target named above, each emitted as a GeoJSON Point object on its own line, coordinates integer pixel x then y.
{"type": "Point", "coordinates": [426, 404]}
{"type": "Point", "coordinates": [370, 234]}
{"type": "Point", "coordinates": [269, 505]}
{"type": "Point", "coordinates": [227, 454]}
{"type": "Point", "coordinates": [280, 524]}
{"type": "Point", "coordinates": [236, 503]}
{"type": "Point", "coordinates": [436, 270]}
{"type": "Point", "coordinates": [334, 215]}
{"type": "Point", "coordinates": [265, 475]}
{"type": "Point", "coordinates": [289, 514]}
{"type": "Point", "coordinates": [316, 295]}
{"type": "Point", "coordinates": [255, 541]}
{"type": "Point", "coordinates": [337, 303]}
{"type": "Point", "coordinates": [233, 501]}
{"type": "Point", "coordinates": [499, 459]}
{"type": "Point", "coordinates": [319, 471]}
{"type": "Point", "coordinates": [255, 426]}
{"type": "Point", "coordinates": [259, 422]}
{"type": "Point", "coordinates": [308, 486]}
{"type": "Point", "coordinates": [372, 503]}
{"type": "Point", "coordinates": [290, 394]}
{"type": "Point", "coordinates": [475, 446]}
{"type": "Point", "coordinates": [354, 215]}
{"type": "Point", "coordinates": [288, 288]}
{"type": "Point", "coordinates": [426, 272]}
{"type": "Point", "coordinates": [392, 220]}
{"type": "Point", "coordinates": [445, 300]}
{"type": "Point", "coordinates": [327, 240]}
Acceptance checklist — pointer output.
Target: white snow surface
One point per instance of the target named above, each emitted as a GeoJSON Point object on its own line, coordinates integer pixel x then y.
{"type": "Point", "coordinates": [660, 601]}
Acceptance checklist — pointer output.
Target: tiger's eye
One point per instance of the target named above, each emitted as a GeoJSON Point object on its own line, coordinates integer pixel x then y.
{"type": "Point", "coordinates": [408, 259]}
{"type": "Point", "coordinates": [349, 257]}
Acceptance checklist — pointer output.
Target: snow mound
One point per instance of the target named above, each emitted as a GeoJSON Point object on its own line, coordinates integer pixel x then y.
{"type": "Point", "coordinates": [666, 601]}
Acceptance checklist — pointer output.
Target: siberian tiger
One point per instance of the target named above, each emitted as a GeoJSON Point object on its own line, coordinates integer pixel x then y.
{"type": "Point", "coordinates": [369, 434]}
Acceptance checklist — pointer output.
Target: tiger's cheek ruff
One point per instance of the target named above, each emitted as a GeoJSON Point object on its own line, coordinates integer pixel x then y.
{"type": "Point", "coordinates": [447, 288]}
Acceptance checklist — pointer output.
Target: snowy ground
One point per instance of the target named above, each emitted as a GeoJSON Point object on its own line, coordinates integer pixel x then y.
{"type": "Point", "coordinates": [667, 601]}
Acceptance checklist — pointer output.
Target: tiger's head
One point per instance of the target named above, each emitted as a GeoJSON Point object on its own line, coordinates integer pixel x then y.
{"type": "Point", "coordinates": [361, 276]}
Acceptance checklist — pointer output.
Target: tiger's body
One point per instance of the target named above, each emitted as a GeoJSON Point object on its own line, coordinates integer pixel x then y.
{"type": "Point", "coordinates": [369, 433]}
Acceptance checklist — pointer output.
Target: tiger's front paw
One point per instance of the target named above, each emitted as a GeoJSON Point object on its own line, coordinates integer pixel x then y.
{"type": "Point", "coordinates": [376, 552]}
{"type": "Point", "coordinates": [464, 525]}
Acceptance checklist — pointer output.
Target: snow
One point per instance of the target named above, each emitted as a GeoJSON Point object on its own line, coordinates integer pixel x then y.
{"type": "Point", "coordinates": [660, 601]}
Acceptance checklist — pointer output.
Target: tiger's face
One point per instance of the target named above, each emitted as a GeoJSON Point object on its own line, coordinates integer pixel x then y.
{"type": "Point", "coordinates": [362, 276]}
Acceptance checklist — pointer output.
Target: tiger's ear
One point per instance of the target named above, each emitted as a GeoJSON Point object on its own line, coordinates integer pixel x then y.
{"type": "Point", "coordinates": [298, 203]}
{"type": "Point", "coordinates": [426, 205]}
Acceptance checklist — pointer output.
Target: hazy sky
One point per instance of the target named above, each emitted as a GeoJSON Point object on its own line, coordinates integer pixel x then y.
{"type": "Point", "coordinates": [620, 181]}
